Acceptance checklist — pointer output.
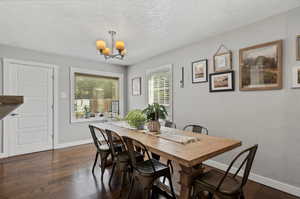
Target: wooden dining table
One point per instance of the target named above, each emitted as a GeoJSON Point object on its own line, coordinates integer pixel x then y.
{"type": "Point", "coordinates": [188, 155]}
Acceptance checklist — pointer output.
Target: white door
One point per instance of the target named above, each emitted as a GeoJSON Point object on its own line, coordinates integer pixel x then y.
{"type": "Point", "coordinates": [30, 127]}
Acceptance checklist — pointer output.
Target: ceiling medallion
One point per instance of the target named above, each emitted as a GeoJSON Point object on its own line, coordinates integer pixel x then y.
{"type": "Point", "coordinates": [108, 53]}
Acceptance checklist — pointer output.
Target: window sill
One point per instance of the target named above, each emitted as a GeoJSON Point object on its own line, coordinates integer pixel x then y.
{"type": "Point", "coordinates": [103, 120]}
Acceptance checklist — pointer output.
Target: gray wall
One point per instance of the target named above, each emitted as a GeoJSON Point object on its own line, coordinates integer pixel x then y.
{"type": "Point", "coordinates": [269, 118]}
{"type": "Point", "coordinates": [67, 132]}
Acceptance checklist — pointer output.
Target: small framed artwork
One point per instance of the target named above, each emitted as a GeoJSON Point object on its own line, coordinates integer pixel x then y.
{"type": "Point", "coordinates": [136, 86]}
{"type": "Point", "coordinates": [199, 71]}
{"type": "Point", "coordinates": [298, 47]}
{"type": "Point", "coordinates": [221, 81]}
{"type": "Point", "coordinates": [296, 77]}
{"type": "Point", "coordinates": [261, 67]}
{"type": "Point", "coordinates": [222, 59]}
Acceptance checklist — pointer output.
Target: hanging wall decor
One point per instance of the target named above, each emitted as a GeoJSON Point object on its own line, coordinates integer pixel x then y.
{"type": "Point", "coordinates": [298, 47]}
{"type": "Point", "coordinates": [296, 77]}
{"type": "Point", "coordinates": [199, 71]}
{"type": "Point", "coordinates": [222, 59]}
{"type": "Point", "coordinates": [136, 86]}
{"type": "Point", "coordinates": [221, 81]}
{"type": "Point", "coordinates": [261, 67]}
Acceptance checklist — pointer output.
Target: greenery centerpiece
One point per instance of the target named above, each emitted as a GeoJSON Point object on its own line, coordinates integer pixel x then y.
{"type": "Point", "coordinates": [136, 118]}
{"type": "Point", "coordinates": [154, 112]}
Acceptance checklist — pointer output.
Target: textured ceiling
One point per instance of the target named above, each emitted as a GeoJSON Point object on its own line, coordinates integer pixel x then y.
{"type": "Point", "coordinates": [148, 27]}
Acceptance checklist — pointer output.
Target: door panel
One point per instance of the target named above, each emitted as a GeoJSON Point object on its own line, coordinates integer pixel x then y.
{"type": "Point", "coordinates": [31, 129]}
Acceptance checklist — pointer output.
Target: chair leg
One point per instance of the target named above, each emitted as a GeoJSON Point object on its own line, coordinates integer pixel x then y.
{"type": "Point", "coordinates": [95, 162]}
{"type": "Point", "coordinates": [103, 166]}
{"type": "Point", "coordinates": [242, 196]}
{"type": "Point", "coordinates": [171, 185]}
{"type": "Point", "coordinates": [147, 192]}
{"type": "Point", "coordinates": [112, 173]}
{"type": "Point", "coordinates": [131, 187]}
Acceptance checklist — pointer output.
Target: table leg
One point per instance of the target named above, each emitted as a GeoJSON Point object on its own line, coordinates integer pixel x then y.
{"type": "Point", "coordinates": [187, 175]}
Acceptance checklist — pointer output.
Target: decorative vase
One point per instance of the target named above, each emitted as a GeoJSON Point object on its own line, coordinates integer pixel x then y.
{"type": "Point", "coordinates": [153, 126]}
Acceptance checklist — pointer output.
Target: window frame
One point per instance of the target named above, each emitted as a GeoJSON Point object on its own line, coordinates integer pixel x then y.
{"type": "Point", "coordinates": [120, 76]}
{"type": "Point", "coordinates": [169, 68]}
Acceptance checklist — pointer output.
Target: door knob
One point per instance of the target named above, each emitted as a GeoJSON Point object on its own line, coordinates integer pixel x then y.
{"type": "Point", "coordinates": [14, 114]}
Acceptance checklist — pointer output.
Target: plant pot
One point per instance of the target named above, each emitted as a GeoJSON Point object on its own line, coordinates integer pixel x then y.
{"type": "Point", "coordinates": [153, 126]}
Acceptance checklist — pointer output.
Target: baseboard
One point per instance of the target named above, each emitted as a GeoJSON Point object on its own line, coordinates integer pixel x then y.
{"type": "Point", "coordinates": [3, 155]}
{"type": "Point", "coordinates": [260, 179]}
{"type": "Point", "coordinates": [70, 144]}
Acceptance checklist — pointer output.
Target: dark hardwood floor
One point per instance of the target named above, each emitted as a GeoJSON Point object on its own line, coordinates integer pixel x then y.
{"type": "Point", "coordinates": [66, 174]}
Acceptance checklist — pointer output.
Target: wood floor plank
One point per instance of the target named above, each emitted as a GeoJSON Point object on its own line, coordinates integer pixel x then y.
{"type": "Point", "coordinates": [67, 174]}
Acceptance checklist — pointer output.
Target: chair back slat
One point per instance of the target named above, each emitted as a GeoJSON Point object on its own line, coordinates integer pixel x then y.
{"type": "Point", "coordinates": [196, 128]}
{"type": "Point", "coordinates": [248, 161]}
{"type": "Point", "coordinates": [96, 141]}
{"type": "Point", "coordinates": [132, 145]}
{"type": "Point", "coordinates": [113, 140]}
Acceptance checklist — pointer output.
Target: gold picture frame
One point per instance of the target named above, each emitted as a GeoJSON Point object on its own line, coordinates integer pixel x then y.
{"type": "Point", "coordinates": [261, 66]}
{"type": "Point", "coordinates": [222, 60]}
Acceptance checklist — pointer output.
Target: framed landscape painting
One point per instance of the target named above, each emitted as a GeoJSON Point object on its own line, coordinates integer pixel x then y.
{"type": "Point", "coordinates": [136, 86]}
{"type": "Point", "coordinates": [199, 71]}
{"type": "Point", "coordinates": [222, 81]}
{"type": "Point", "coordinates": [261, 67]}
{"type": "Point", "coordinates": [296, 77]}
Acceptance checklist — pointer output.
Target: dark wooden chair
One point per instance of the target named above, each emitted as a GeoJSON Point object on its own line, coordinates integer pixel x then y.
{"type": "Point", "coordinates": [196, 128]}
{"type": "Point", "coordinates": [148, 171]}
{"type": "Point", "coordinates": [102, 148]}
{"type": "Point", "coordinates": [120, 155]}
{"type": "Point", "coordinates": [226, 186]}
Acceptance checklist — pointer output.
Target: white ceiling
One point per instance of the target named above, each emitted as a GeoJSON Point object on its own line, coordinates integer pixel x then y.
{"type": "Point", "coordinates": [148, 27]}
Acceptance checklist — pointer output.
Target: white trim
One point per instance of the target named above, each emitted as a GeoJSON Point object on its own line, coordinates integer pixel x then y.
{"type": "Point", "coordinates": [3, 155]}
{"type": "Point", "coordinates": [258, 178]}
{"type": "Point", "coordinates": [75, 143]}
{"type": "Point", "coordinates": [167, 67]}
{"type": "Point", "coordinates": [55, 68]}
{"type": "Point", "coordinates": [120, 76]}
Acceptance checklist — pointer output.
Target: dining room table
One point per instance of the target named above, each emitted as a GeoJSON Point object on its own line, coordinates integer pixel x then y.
{"type": "Point", "coordinates": [186, 148]}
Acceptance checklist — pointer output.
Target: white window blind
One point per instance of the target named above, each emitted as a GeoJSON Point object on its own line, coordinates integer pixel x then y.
{"type": "Point", "coordinates": [160, 87]}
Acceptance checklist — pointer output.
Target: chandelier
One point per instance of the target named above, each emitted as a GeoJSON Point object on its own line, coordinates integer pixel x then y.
{"type": "Point", "coordinates": [108, 53]}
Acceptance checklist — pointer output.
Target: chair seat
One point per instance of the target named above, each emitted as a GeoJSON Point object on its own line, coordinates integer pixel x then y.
{"type": "Point", "coordinates": [124, 156]}
{"type": "Point", "coordinates": [145, 167]}
{"type": "Point", "coordinates": [210, 180]}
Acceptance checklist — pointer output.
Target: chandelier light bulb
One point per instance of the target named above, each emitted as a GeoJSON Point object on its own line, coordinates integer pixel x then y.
{"type": "Point", "coordinates": [120, 45]}
{"type": "Point", "coordinates": [106, 52]}
{"type": "Point", "coordinates": [100, 45]}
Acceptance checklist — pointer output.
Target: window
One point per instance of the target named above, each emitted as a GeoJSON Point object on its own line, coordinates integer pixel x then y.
{"type": "Point", "coordinates": [94, 96]}
{"type": "Point", "coordinates": [160, 87]}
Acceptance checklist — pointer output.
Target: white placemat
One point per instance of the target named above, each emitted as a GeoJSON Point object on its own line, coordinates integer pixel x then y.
{"type": "Point", "coordinates": [165, 133]}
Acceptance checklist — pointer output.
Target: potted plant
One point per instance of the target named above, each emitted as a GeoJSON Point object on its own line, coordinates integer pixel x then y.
{"type": "Point", "coordinates": [136, 118]}
{"type": "Point", "coordinates": [153, 113]}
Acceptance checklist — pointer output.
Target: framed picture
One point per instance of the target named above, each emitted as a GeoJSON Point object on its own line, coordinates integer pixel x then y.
{"type": "Point", "coordinates": [199, 71]}
{"type": "Point", "coordinates": [296, 77]}
{"type": "Point", "coordinates": [298, 47]}
{"type": "Point", "coordinates": [136, 86]}
{"type": "Point", "coordinates": [223, 61]}
{"type": "Point", "coordinates": [221, 81]}
{"type": "Point", "coordinates": [261, 67]}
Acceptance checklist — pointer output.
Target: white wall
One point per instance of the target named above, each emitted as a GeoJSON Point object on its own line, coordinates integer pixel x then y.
{"type": "Point", "coordinates": [269, 118]}
{"type": "Point", "coordinates": [67, 132]}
